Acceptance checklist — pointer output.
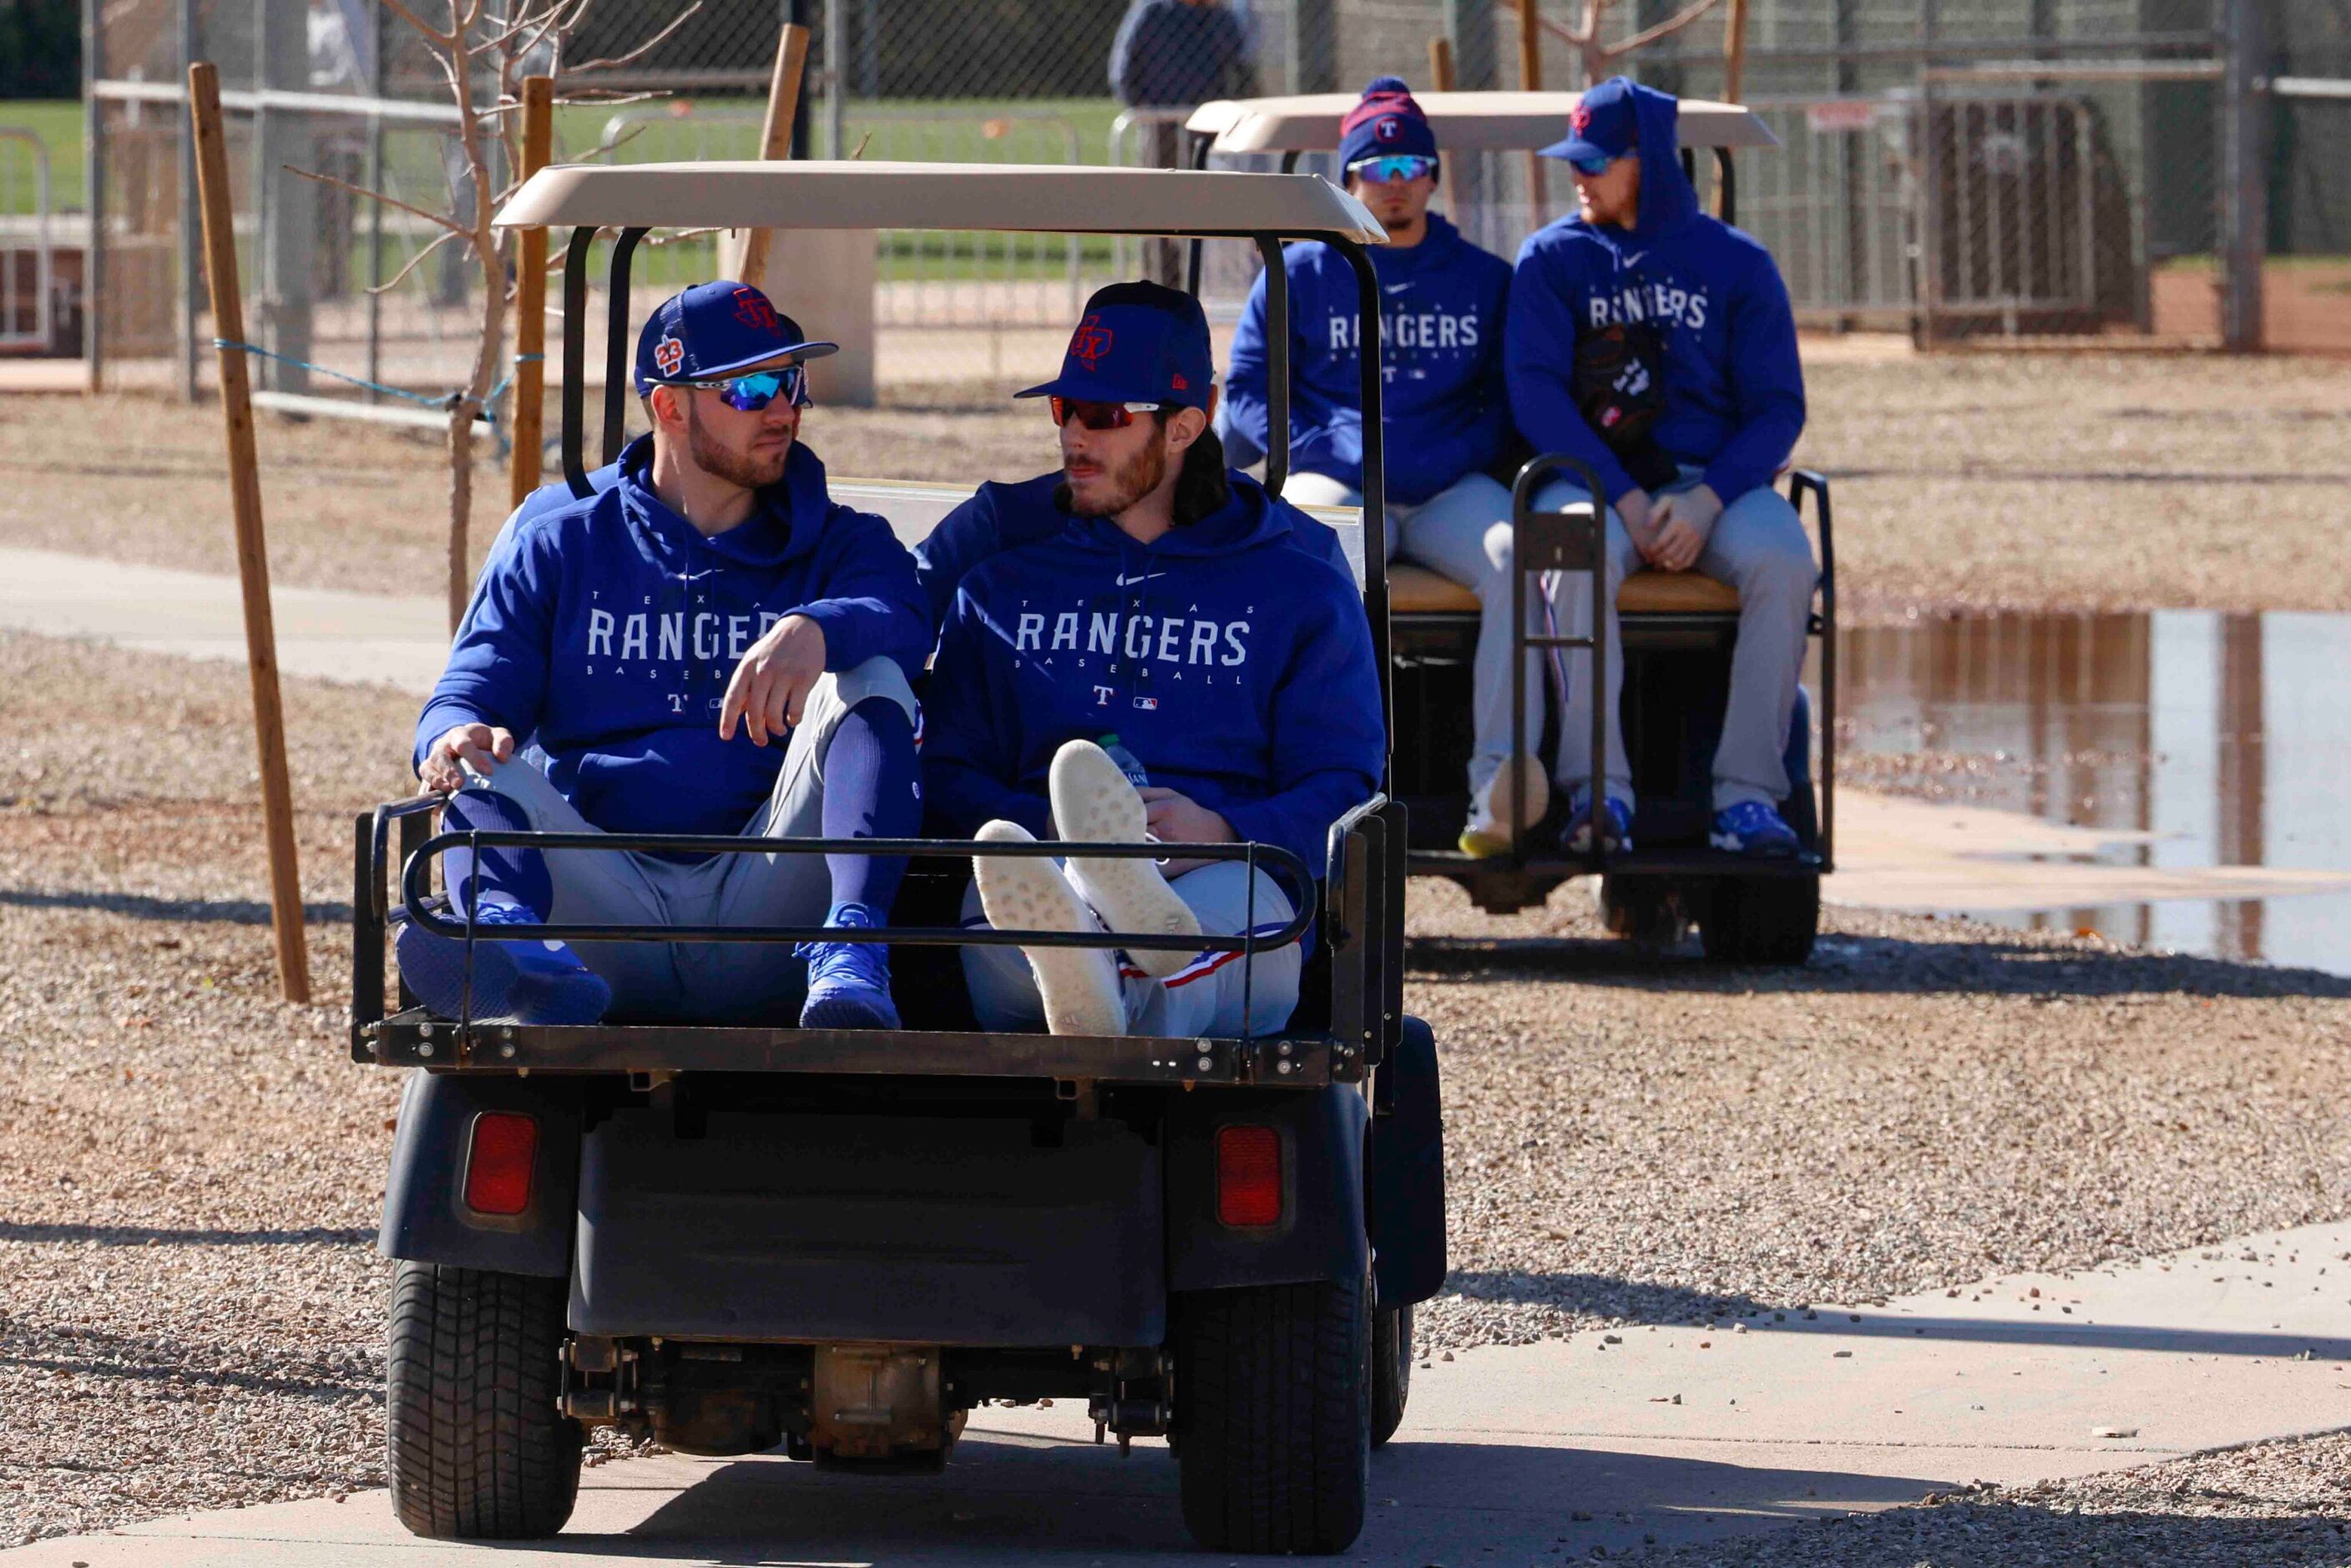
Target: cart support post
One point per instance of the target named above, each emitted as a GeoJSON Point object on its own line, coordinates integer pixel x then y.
{"type": "Point", "coordinates": [616, 343]}
{"type": "Point", "coordinates": [1277, 316]}
{"type": "Point", "coordinates": [252, 549]}
{"type": "Point", "coordinates": [528, 409]}
{"type": "Point", "coordinates": [1370, 342]}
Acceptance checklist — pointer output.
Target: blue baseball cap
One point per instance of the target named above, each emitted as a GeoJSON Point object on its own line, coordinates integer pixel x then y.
{"type": "Point", "coordinates": [1137, 342]}
{"type": "Point", "coordinates": [716, 329]}
{"type": "Point", "coordinates": [1603, 125]}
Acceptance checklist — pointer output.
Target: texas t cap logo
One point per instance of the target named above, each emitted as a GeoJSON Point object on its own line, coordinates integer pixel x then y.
{"type": "Point", "coordinates": [751, 308]}
{"type": "Point", "coordinates": [1580, 121]}
{"type": "Point", "coordinates": [1090, 341]}
{"type": "Point", "coordinates": [1388, 129]}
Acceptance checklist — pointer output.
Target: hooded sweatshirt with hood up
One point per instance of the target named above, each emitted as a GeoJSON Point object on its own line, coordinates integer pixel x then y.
{"type": "Point", "coordinates": [1448, 413]}
{"type": "Point", "coordinates": [1734, 393]}
{"type": "Point", "coordinates": [1227, 656]}
{"type": "Point", "coordinates": [604, 631]}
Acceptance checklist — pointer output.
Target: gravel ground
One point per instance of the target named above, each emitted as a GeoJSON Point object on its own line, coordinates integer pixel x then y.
{"type": "Point", "coordinates": [190, 1306]}
{"type": "Point", "coordinates": [2271, 1503]}
{"type": "Point", "coordinates": [1964, 481]}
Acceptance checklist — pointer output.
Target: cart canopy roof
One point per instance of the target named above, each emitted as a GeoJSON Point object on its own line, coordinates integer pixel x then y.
{"type": "Point", "coordinates": [1024, 198]}
{"type": "Point", "coordinates": [1464, 122]}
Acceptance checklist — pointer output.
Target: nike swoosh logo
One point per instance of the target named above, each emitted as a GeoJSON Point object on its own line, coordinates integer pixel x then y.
{"type": "Point", "coordinates": [1398, 288]}
{"type": "Point", "coordinates": [1635, 259]}
{"type": "Point", "coordinates": [1146, 576]}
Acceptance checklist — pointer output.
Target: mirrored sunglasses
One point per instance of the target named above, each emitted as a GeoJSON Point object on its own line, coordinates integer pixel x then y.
{"type": "Point", "coordinates": [1591, 168]}
{"type": "Point", "coordinates": [755, 391]}
{"type": "Point", "coordinates": [1394, 166]}
{"type": "Point", "coordinates": [1097, 415]}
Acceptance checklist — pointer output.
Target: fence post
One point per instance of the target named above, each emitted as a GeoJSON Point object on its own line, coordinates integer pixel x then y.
{"type": "Point", "coordinates": [1313, 46]}
{"type": "Point", "coordinates": [2244, 176]}
{"type": "Point", "coordinates": [776, 139]}
{"type": "Point", "coordinates": [93, 178]}
{"type": "Point", "coordinates": [191, 239]}
{"type": "Point", "coordinates": [528, 406]}
{"type": "Point", "coordinates": [287, 206]}
{"type": "Point", "coordinates": [1530, 81]}
{"type": "Point", "coordinates": [252, 554]}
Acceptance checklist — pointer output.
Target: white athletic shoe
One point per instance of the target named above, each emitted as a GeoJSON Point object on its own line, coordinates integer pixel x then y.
{"type": "Point", "coordinates": [1094, 803]}
{"type": "Point", "coordinates": [1079, 985]}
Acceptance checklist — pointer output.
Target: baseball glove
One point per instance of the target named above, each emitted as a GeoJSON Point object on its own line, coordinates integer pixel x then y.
{"type": "Point", "coordinates": [1617, 391]}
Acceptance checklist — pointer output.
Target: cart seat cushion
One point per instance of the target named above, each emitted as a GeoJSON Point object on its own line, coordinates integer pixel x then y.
{"type": "Point", "coordinates": [1415, 590]}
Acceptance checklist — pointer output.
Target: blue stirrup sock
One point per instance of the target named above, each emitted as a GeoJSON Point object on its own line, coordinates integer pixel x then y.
{"type": "Point", "coordinates": [873, 789]}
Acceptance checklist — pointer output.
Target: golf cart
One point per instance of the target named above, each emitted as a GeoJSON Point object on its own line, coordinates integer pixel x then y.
{"type": "Point", "coordinates": [1677, 628]}
{"type": "Point", "coordinates": [842, 1242]}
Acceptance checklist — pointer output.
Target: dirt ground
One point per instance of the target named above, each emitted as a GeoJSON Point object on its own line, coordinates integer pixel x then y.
{"type": "Point", "coordinates": [191, 1307]}
{"type": "Point", "coordinates": [1964, 481]}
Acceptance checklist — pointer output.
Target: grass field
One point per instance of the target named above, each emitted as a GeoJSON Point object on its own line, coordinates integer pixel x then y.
{"type": "Point", "coordinates": [58, 123]}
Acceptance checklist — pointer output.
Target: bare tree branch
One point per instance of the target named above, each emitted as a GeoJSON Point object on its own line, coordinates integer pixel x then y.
{"type": "Point", "coordinates": [400, 277]}
{"type": "Point", "coordinates": [378, 197]}
{"type": "Point", "coordinates": [431, 33]}
{"type": "Point", "coordinates": [1671, 25]}
{"type": "Point", "coordinates": [642, 50]}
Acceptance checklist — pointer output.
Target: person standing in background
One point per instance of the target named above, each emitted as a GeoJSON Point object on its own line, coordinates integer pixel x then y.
{"type": "Point", "coordinates": [1176, 54]}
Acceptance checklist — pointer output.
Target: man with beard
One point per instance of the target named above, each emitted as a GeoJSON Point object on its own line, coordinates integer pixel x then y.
{"type": "Point", "coordinates": [1446, 410]}
{"type": "Point", "coordinates": [708, 644]}
{"type": "Point", "coordinates": [1174, 662]}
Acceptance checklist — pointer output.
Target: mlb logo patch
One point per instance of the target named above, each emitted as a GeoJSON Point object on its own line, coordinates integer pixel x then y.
{"type": "Point", "coordinates": [1147, 704]}
{"type": "Point", "coordinates": [668, 355]}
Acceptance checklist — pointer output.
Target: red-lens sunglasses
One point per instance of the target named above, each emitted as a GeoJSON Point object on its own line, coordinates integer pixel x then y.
{"type": "Point", "coordinates": [1098, 415]}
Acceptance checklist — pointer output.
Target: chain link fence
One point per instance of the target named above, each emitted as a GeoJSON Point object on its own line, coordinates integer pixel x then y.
{"type": "Point", "coordinates": [1953, 168]}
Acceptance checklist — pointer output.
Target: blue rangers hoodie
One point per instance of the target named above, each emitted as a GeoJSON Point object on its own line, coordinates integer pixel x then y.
{"type": "Point", "coordinates": [1442, 395]}
{"type": "Point", "coordinates": [605, 630]}
{"type": "Point", "coordinates": [1232, 662]}
{"type": "Point", "coordinates": [1734, 393]}
{"type": "Point", "coordinates": [1001, 516]}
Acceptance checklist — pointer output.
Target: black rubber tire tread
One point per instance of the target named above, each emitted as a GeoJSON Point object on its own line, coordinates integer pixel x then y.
{"type": "Point", "coordinates": [1391, 1370]}
{"type": "Point", "coordinates": [1639, 909]}
{"type": "Point", "coordinates": [1274, 1404]}
{"type": "Point", "coordinates": [1763, 920]}
{"type": "Point", "coordinates": [478, 1448]}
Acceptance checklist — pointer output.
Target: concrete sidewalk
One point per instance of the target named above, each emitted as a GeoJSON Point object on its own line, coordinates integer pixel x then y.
{"type": "Point", "coordinates": [1670, 1434]}
{"type": "Point", "coordinates": [1893, 853]}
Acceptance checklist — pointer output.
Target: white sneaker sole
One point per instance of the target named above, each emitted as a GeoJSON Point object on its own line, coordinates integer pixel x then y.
{"type": "Point", "coordinates": [1093, 802]}
{"type": "Point", "coordinates": [1079, 984]}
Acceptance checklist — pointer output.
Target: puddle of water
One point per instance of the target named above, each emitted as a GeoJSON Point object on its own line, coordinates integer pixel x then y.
{"type": "Point", "coordinates": [2226, 738]}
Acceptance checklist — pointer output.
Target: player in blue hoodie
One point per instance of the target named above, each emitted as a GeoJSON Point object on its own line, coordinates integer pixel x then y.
{"type": "Point", "coordinates": [707, 644]}
{"type": "Point", "coordinates": [1442, 398]}
{"type": "Point", "coordinates": [1175, 662]}
{"type": "Point", "coordinates": [1639, 257]}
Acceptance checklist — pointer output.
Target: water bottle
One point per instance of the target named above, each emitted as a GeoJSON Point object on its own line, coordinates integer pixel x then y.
{"type": "Point", "coordinates": [1126, 760]}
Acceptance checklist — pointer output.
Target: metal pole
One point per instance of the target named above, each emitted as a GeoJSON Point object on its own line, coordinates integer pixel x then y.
{"type": "Point", "coordinates": [93, 177]}
{"type": "Point", "coordinates": [836, 78]}
{"type": "Point", "coordinates": [252, 553]}
{"type": "Point", "coordinates": [192, 239]}
{"type": "Point", "coordinates": [1531, 79]}
{"type": "Point", "coordinates": [375, 210]}
{"type": "Point", "coordinates": [2245, 176]}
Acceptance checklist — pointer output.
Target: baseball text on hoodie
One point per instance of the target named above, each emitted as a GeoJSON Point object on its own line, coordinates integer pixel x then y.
{"type": "Point", "coordinates": [1233, 664]}
{"type": "Point", "coordinates": [605, 630]}
{"type": "Point", "coordinates": [1446, 410]}
{"type": "Point", "coordinates": [1734, 393]}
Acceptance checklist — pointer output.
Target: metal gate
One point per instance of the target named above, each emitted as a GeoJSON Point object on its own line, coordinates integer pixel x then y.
{"type": "Point", "coordinates": [27, 281]}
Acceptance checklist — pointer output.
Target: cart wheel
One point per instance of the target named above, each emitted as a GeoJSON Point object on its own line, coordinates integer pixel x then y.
{"type": "Point", "coordinates": [479, 1447]}
{"type": "Point", "coordinates": [1390, 1369]}
{"type": "Point", "coordinates": [1640, 909]}
{"type": "Point", "coordinates": [1761, 919]}
{"type": "Point", "coordinates": [1273, 1412]}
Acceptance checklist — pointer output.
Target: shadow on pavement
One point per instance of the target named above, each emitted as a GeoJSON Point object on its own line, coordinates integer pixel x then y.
{"type": "Point", "coordinates": [1008, 1499]}
{"type": "Point", "coordinates": [1974, 1534]}
{"type": "Point", "coordinates": [1868, 965]}
{"type": "Point", "coordinates": [161, 1235]}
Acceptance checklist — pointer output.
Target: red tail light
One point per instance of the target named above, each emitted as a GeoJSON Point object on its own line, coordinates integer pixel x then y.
{"type": "Point", "coordinates": [498, 1166]}
{"type": "Point", "coordinates": [1249, 1177]}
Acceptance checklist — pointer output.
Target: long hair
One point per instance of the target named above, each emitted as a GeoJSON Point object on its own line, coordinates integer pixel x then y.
{"type": "Point", "coordinates": [1201, 487]}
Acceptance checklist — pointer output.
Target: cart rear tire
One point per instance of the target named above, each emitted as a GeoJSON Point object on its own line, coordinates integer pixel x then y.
{"type": "Point", "coordinates": [1761, 919]}
{"type": "Point", "coordinates": [1273, 1411]}
{"type": "Point", "coordinates": [479, 1447]}
{"type": "Point", "coordinates": [1640, 909]}
{"type": "Point", "coordinates": [1391, 1370]}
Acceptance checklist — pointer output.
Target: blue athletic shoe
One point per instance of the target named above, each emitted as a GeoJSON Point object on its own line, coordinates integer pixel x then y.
{"type": "Point", "coordinates": [530, 982]}
{"type": "Point", "coordinates": [1752, 827]}
{"type": "Point", "coordinates": [848, 982]}
{"type": "Point", "coordinates": [1576, 835]}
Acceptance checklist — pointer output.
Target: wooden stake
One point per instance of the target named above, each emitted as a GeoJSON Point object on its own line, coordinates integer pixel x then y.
{"type": "Point", "coordinates": [1734, 52]}
{"type": "Point", "coordinates": [251, 555]}
{"type": "Point", "coordinates": [1530, 81]}
{"type": "Point", "coordinates": [776, 138]}
{"type": "Point", "coordinates": [1440, 79]}
{"type": "Point", "coordinates": [529, 404]}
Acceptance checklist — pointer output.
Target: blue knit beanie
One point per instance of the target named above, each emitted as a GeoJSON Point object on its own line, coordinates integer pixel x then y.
{"type": "Point", "coordinates": [1386, 122]}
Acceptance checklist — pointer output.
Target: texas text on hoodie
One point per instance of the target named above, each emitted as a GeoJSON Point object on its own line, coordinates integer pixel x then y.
{"type": "Point", "coordinates": [1234, 666]}
{"type": "Point", "coordinates": [1001, 516]}
{"type": "Point", "coordinates": [1447, 412]}
{"type": "Point", "coordinates": [1734, 393]}
{"type": "Point", "coordinates": [605, 632]}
